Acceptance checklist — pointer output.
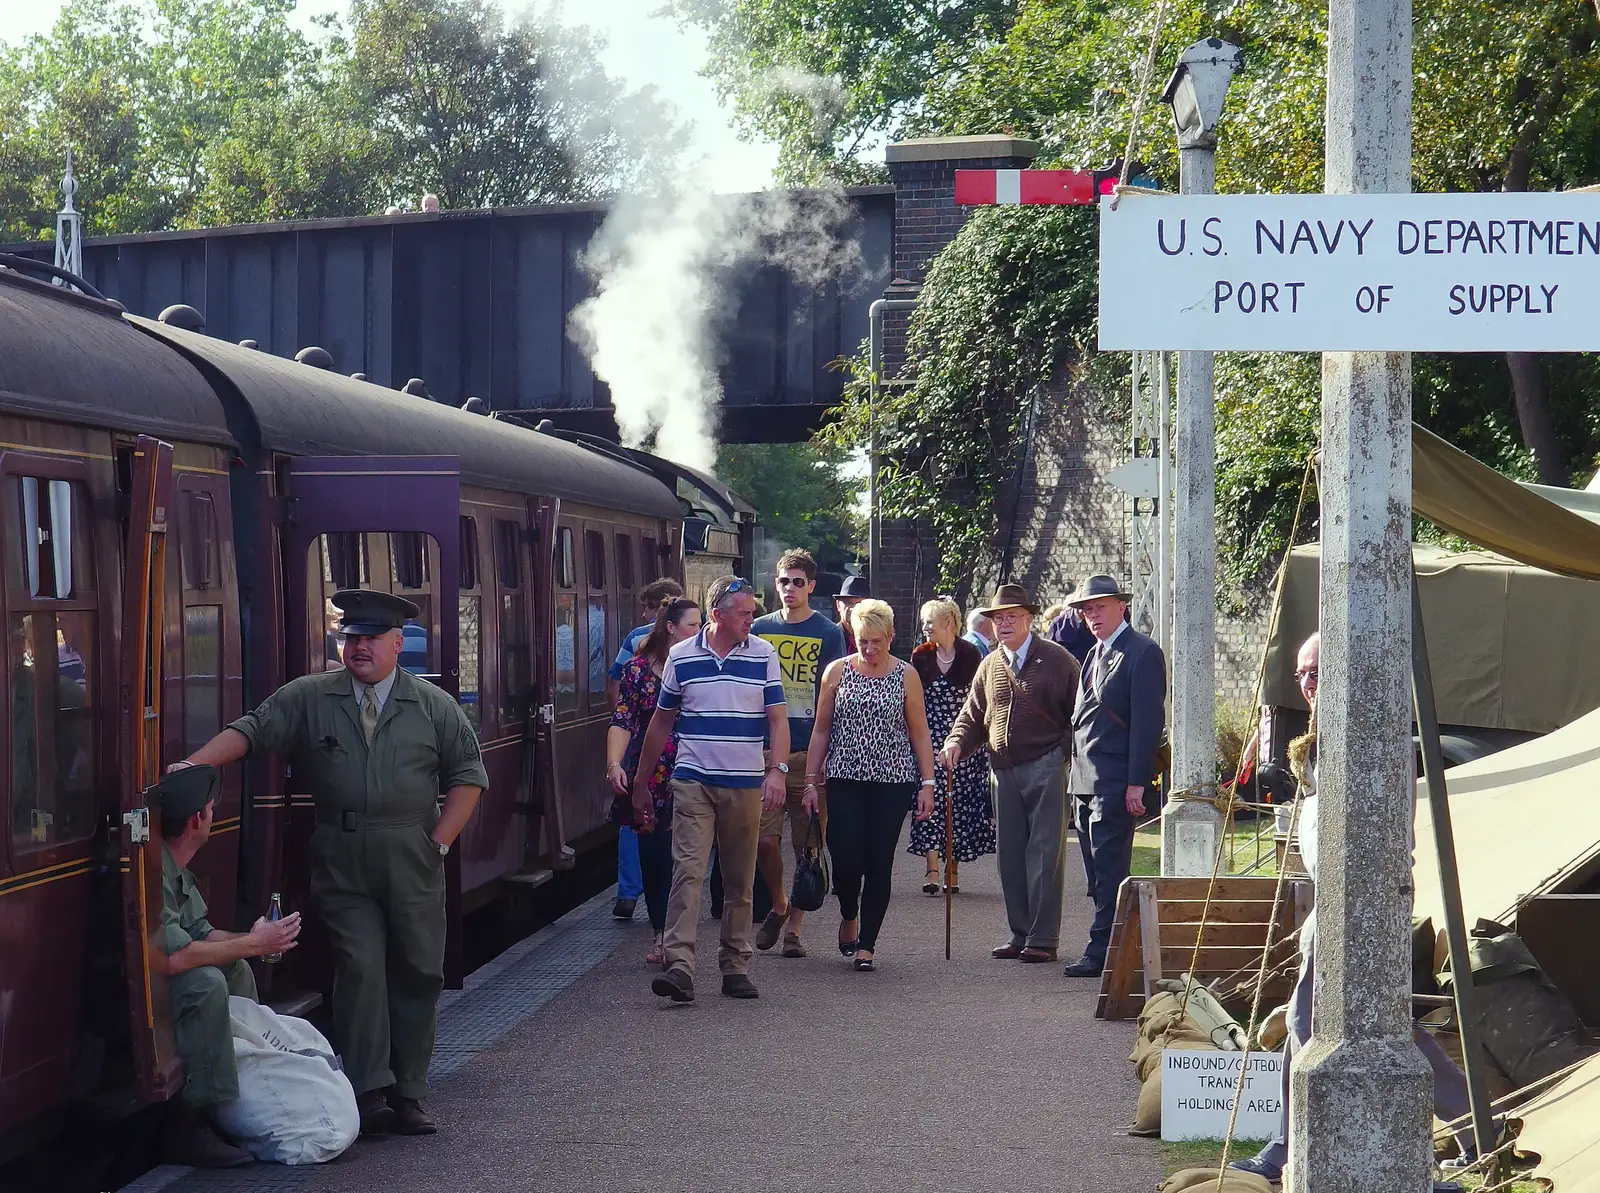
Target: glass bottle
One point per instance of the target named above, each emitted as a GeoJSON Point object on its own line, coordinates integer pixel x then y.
{"type": "Point", "coordinates": [274, 914]}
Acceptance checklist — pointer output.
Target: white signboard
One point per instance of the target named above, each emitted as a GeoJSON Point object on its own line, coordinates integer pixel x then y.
{"type": "Point", "coordinates": [1347, 273]}
{"type": "Point", "coordinates": [1197, 1094]}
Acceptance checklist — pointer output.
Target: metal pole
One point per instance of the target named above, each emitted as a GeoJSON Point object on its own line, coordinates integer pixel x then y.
{"type": "Point", "coordinates": [1164, 502]}
{"type": "Point", "coordinates": [1191, 829]}
{"type": "Point", "coordinates": [1444, 844]}
{"type": "Point", "coordinates": [875, 314]}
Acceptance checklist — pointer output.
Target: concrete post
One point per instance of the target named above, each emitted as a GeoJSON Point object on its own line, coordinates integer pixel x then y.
{"type": "Point", "coordinates": [1360, 1092]}
{"type": "Point", "coordinates": [1191, 831]}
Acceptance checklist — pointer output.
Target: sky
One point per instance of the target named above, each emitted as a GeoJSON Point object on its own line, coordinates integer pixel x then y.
{"type": "Point", "coordinates": [642, 49]}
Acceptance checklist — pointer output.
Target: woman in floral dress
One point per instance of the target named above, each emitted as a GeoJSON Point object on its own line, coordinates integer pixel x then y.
{"type": "Point", "coordinates": [946, 663]}
{"type": "Point", "coordinates": [637, 693]}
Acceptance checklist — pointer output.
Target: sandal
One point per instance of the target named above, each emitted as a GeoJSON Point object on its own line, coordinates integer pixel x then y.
{"type": "Point", "coordinates": [930, 884]}
{"type": "Point", "coordinates": [657, 954]}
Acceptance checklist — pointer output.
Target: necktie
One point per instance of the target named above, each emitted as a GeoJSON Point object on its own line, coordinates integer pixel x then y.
{"type": "Point", "coordinates": [369, 714]}
{"type": "Point", "coordinates": [1097, 673]}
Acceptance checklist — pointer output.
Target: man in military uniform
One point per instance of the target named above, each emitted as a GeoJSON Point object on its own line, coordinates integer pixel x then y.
{"type": "Point", "coordinates": [204, 965]}
{"type": "Point", "coordinates": [376, 745]}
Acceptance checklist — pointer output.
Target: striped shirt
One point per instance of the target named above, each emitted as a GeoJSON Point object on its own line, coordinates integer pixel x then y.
{"type": "Point", "coordinates": [722, 709]}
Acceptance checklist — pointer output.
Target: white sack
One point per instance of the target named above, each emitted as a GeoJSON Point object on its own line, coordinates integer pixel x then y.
{"type": "Point", "coordinates": [295, 1106]}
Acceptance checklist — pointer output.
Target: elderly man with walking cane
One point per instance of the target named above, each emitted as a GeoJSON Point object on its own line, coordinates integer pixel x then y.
{"type": "Point", "coordinates": [1022, 700]}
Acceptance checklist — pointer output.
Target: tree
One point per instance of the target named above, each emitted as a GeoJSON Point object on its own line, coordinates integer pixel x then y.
{"type": "Point", "coordinates": [489, 115]}
{"type": "Point", "coordinates": [826, 78]}
{"type": "Point", "coordinates": [804, 498]}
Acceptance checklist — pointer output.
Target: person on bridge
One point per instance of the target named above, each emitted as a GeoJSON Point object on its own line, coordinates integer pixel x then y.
{"type": "Point", "coordinates": [871, 742]}
{"type": "Point", "coordinates": [204, 965]}
{"type": "Point", "coordinates": [726, 685]}
{"type": "Point", "coordinates": [1021, 701]}
{"type": "Point", "coordinates": [630, 877]}
{"type": "Point", "coordinates": [947, 666]}
{"type": "Point", "coordinates": [376, 745]}
{"type": "Point", "coordinates": [640, 689]}
{"type": "Point", "coordinates": [1116, 731]}
{"type": "Point", "coordinates": [807, 643]}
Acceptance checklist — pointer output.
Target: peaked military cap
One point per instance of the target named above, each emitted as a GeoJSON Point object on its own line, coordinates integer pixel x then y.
{"type": "Point", "coordinates": [368, 613]}
{"type": "Point", "coordinates": [186, 791]}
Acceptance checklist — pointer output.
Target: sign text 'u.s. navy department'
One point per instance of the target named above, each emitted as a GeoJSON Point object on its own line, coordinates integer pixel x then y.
{"type": "Point", "coordinates": [1349, 273]}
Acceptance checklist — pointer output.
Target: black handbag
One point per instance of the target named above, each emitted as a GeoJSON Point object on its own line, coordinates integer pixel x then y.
{"type": "Point", "coordinates": [810, 888]}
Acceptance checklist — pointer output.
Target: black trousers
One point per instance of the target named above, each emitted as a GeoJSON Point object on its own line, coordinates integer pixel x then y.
{"type": "Point", "coordinates": [655, 864]}
{"type": "Point", "coordinates": [1105, 834]}
{"type": "Point", "coordinates": [864, 822]}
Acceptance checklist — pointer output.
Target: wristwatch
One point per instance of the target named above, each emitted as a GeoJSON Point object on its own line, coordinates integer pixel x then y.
{"type": "Point", "coordinates": [443, 848]}
{"type": "Point", "coordinates": [781, 767]}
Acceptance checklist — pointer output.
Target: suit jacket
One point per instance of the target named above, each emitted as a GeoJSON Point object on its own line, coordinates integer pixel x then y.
{"type": "Point", "coordinates": [1115, 731]}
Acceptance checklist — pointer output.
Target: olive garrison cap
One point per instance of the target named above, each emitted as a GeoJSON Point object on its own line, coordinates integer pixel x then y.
{"type": "Point", "coordinates": [368, 613]}
{"type": "Point", "coordinates": [186, 791]}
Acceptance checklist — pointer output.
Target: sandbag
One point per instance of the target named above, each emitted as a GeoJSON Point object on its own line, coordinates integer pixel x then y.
{"type": "Point", "coordinates": [1180, 1037]}
{"type": "Point", "coordinates": [1204, 1180]}
{"type": "Point", "coordinates": [1160, 1022]}
{"type": "Point", "coordinates": [294, 1106]}
{"type": "Point", "coordinates": [1162, 1000]}
{"type": "Point", "coordinates": [1147, 1119]}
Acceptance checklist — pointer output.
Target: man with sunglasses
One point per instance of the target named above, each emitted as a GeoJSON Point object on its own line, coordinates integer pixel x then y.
{"type": "Point", "coordinates": [806, 643]}
{"type": "Point", "coordinates": [723, 691]}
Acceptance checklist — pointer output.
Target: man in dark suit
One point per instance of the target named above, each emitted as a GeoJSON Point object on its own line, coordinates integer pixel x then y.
{"type": "Point", "coordinates": [1116, 729]}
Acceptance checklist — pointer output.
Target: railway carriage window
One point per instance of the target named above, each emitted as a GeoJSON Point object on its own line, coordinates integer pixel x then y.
{"type": "Point", "coordinates": [53, 693]}
{"type": "Point", "coordinates": [408, 553]}
{"type": "Point", "coordinates": [199, 541]}
{"type": "Point", "coordinates": [470, 613]}
{"type": "Point", "coordinates": [516, 666]}
{"type": "Point", "coordinates": [44, 535]}
{"type": "Point", "coordinates": [202, 674]}
{"type": "Point", "coordinates": [566, 652]}
{"type": "Point", "coordinates": [625, 562]}
{"type": "Point", "coordinates": [650, 558]}
{"type": "Point", "coordinates": [594, 556]}
{"type": "Point", "coordinates": [599, 659]}
{"type": "Point", "coordinates": [566, 562]}
{"type": "Point", "coordinates": [469, 553]}
{"type": "Point", "coordinates": [344, 559]}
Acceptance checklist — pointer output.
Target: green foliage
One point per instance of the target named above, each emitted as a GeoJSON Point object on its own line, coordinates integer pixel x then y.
{"type": "Point", "coordinates": [803, 495]}
{"type": "Point", "coordinates": [189, 113]}
{"type": "Point", "coordinates": [824, 78]}
{"type": "Point", "coordinates": [1004, 312]}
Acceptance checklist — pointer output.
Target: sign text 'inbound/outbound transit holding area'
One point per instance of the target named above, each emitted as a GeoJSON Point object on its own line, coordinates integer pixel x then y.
{"type": "Point", "coordinates": [1332, 273]}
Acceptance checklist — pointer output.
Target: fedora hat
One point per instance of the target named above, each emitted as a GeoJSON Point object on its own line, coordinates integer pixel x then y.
{"type": "Point", "coordinates": [1010, 596]}
{"type": "Point", "coordinates": [1096, 587]}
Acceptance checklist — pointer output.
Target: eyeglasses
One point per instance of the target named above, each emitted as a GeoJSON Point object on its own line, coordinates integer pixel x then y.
{"type": "Point", "coordinates": [1306, 673]}
{"type": "Point", "coordinates": [1008, 618]}
{"type": "Point", "coordinates": [790, 582]}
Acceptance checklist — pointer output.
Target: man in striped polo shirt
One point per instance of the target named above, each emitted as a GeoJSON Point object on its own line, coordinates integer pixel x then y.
{"type": "Point", "coordinates": [724, 691]}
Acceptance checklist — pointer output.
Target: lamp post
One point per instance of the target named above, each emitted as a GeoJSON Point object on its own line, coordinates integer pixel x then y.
{"type": "Point", "coordinates": [1191, 829]}
{"type": "Point", "coordinates": [900, 295]}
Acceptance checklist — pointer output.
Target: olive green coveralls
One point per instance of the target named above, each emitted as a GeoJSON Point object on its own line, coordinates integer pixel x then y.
{"type": "Point", "coordinates": [201, 1027]}
{"type": "Point", "coordinates": [377, 880]}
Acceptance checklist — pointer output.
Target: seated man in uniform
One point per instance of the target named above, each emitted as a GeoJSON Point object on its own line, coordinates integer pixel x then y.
{"type": "Point", "coordinates": [204, 965]}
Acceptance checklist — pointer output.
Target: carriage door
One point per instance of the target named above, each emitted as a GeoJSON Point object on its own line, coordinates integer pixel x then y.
{"type": "Point", "coordinates": [390, 523]}
{"type": "Point", "coordinates": [157, 1070]}
{"type": "Point", "coordinates": [547, 835]}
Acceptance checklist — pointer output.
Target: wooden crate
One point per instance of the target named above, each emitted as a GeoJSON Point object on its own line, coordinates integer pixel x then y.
{"type": "Point", "coordinates": [1159, 919]}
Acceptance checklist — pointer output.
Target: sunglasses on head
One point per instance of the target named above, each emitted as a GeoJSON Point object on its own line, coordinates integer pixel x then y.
{"type": "Point", "coordinates": [740, 584]}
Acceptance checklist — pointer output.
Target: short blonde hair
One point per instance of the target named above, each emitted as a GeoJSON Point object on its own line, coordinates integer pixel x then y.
{"type": "Point", "coordinates": [941, 608]}
{"type": "Point", "coordinates": [872, 615]}
{"type": "Point", "coordinates": [1054, 611]}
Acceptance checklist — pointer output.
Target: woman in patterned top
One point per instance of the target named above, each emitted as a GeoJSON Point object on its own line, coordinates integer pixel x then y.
{"type": "Point", "coordinates": [946, 664]}
{"type": "Point", "coordinates": [637, 693]}
{"type": "Point", "coordinates": [871, 740]}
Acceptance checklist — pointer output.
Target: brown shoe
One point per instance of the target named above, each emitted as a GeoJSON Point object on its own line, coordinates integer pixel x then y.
{"type": "Point", "coordinates": [792, 946]}
{"type": "Point", "coordinates": [190, 1139]}
{"type": "Point", "coordinates": [1033, 956]}
{"type": "Point", "coordinates": [377, 1116]}
{"type": "Point", "coordinates": [1007, 952]}
{"type": "Point", "coordinates": [771, 929]}
{"type": "Point", "coordinates": [410, 1118]}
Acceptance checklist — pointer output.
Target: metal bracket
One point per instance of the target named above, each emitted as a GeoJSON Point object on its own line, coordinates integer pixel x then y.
{"type": "Point", "coordinates": [138, 822]}
{"type": "Point", "coordinates": [547, 713]}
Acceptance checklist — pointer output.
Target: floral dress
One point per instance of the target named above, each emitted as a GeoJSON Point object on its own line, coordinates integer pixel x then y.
{"type": "Point", "coordinates": [974, 835]}
{"type": "Point", "coordinates": [637, 694]}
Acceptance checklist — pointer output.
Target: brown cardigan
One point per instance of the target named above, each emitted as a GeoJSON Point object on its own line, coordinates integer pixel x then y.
{"type": "Point", "coordinates": [1024, 716]}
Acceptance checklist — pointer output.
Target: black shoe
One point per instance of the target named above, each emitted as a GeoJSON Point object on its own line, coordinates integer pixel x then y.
{"type": "Point", "coordinates": [410, 1118]}
{"type": "Point", "coordinates": [675, 984]}
{"type": "Point", "coordinates": [191, 1140]}
{"type": "Point", "coordinates": [1085, 967]}
{"type": "Point", "coordinates": [738, 985]}
{"type": "Point", "coordinates": [622, 909]}
{"type": "Point", "coordinates": [377, 1116]}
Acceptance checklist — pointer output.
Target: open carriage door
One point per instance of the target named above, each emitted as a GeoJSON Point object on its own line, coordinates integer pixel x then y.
{"type": "Point", "coordinates": [547, 836]}
{"type": "Point", "coordinates": [157, 1069]}
{"type": "Point", "coordinates": [363, 495]}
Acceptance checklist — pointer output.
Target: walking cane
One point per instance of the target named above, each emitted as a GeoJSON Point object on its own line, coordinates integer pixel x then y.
{"type": "Point", "coordinates": [949, 856]}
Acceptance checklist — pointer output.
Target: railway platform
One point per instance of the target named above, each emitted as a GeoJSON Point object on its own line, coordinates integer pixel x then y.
{"type": "Point", "coordinates": [557, 1071]}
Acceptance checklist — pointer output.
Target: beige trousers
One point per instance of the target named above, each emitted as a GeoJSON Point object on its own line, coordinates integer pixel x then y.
{"type": "Point", "coordinates": [730, 817]}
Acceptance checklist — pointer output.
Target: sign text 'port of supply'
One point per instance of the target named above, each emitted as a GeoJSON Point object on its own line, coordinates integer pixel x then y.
{"type": "Point", "coordinates": [1351, 273]}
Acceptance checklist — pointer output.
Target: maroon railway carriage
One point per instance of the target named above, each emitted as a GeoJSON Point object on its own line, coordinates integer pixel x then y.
{"type": "Point", "coordinates": [175, 512]}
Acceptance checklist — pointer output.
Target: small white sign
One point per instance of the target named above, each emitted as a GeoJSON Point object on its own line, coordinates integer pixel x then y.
{"type": "Point", "coordinates": [1197, 1089]}
{"type": "Point", "coordinates": [1349, 273]}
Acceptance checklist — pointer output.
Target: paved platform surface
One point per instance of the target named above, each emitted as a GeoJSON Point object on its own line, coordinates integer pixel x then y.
{"type": "Point", "coordinates": [558, 1071]}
